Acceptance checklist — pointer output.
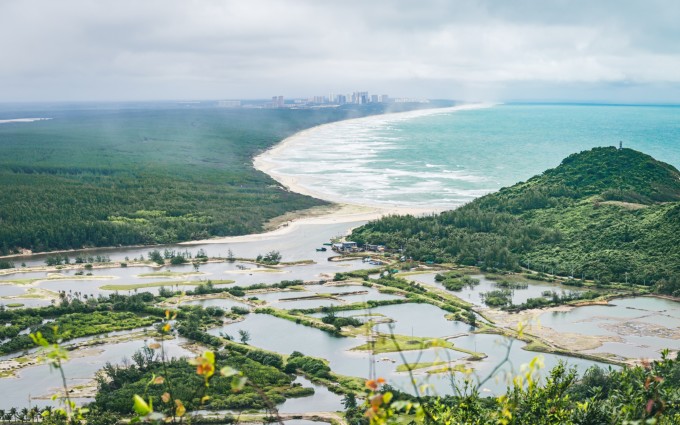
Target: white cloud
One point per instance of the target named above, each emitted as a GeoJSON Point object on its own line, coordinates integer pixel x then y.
{"type": "Point", "coordinates": [78, 49]}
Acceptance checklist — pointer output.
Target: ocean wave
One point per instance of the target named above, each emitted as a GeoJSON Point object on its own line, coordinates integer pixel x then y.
{"type": "Point", "coordinates": [368, 161]}
{"type": "Point", "coordinates": [23, 120]}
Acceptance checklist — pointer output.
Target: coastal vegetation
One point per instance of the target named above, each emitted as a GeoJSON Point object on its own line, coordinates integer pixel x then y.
{"type": "Point", "coordinates": [575, 220]}
{"type": "Point", "coordinates": [140, 175]}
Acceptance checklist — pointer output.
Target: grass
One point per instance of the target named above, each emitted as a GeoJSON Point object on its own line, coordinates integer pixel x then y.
{"type": "Point", "coordinates": [169, 284]}
{"type": "Point", "coordinates": [448, 369]}
{"type": "Point", "coordinates": [170, 274]}
{"type": "Point", "coordinates": [33, 296]}
{"type": "Point", "coordinates": [415, 273]}
{"type": "Point", "coordinates": [312, 322]}
{"type": "Point", "coordinates": [421, 365]}
{"type": "Point", "coordinates": [57, 276]}
{"type": "Point", "coordinates": [14, 305]}
{"type": "Point", "coordinates": [20, 281]}
{"type": "Point", "coordinates": [395, 343]}
{"type": "Point", "coordinates": [260, 270]}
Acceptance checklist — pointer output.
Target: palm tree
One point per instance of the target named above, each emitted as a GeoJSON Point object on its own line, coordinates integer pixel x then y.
{"type": "Point", "coordinates": [12, 413]}
{"type": "Point", "coordinates": [2, 414]}
{"type": "Point", "coordinates": [33, 414]}
{"type": "Point", "coordinates": [23, 415]}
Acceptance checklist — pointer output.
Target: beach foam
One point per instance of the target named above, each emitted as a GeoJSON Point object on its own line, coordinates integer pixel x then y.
{"type": "Point", "coordinates": [23, 120]}
{"type": "Point", "coordinates": [363, 161]}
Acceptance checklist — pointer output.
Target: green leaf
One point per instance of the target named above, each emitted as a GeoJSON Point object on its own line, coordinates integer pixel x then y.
{"type": "Point", "coordinates": [140, 406]}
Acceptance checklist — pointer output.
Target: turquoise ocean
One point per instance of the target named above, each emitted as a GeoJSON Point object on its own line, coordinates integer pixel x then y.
{"type": "Point", "coordinates": [442, 159]}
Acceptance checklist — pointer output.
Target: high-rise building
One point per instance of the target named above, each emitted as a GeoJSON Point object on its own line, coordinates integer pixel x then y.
{"type": "Point", "coordinates": [374, 98]}
{"type": "Point", "coordinates": [277, 102]}
{"type": "Point", "coordinates": [384, 98]}
{"type": "Point", "coordinates": [360, 97]}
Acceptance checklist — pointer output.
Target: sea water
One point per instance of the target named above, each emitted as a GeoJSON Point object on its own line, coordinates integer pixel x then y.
{"type": "Point", "coordinates": [445, 158]}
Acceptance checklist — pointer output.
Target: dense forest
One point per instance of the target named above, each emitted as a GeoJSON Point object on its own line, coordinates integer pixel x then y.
{"type": "Point", "coordinates": [146, 174]}
{"type": "Point", "coordinates": [605, 214]}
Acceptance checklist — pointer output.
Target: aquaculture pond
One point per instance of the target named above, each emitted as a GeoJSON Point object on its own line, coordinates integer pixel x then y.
{"type": "Point", "coordinates": [224, 303]}
{"type": "Point", "coordinates": [472, 294]}
{"type": "Point", "coordinates": [314, 296]}
{"type": "Point", "coordinates": [36, 384]}
{"type": "Point", "coordinates": [283, 336]}
{"type": "Point", "coordinates": [129, 280]}
{"type": "Point", "coordinates": [322, 401]}
{"type": "Point", "coordinates": [631, 327]}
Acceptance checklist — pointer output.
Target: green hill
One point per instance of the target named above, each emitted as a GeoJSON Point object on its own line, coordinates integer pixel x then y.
{"type": "Point", "coordinates": [604, 214]}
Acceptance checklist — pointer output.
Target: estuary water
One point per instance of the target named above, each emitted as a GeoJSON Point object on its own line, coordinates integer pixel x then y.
{"type": "Point", "coordinates": [442, 158]}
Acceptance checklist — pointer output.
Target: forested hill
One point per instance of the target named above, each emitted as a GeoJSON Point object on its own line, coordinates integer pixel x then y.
{"type": "Point", "coordinates": [604, 214]}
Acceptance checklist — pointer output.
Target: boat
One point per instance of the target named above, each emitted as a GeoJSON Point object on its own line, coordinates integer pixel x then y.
{"type": "Point", "coordinates": [322, 249]}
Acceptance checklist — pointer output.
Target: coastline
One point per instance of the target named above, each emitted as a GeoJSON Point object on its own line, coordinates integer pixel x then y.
{"type": "Point", "coordinates": [336, 212]}
{"type": "Point", "coordinates": [267, 161]}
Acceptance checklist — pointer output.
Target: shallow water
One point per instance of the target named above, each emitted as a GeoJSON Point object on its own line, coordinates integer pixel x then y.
{"type": "Point", "coordinates": [286, 299]}
{"type": "Point", "coordinates": [473, 294]}
{"type": "Point", "coordinates": [645, 325]}
{"type": "Point", "coordinates": [419, 320]}
{"type": "Point", "coordinates": [224, 303]}
{"type": "Point", "coordinates": [250, 275]}
{"type": "Point", "coordinates": [39, 381]}
{"type": "Point", "coordinates": [6, 290]}
{"type": "Point", "coordinates": [272, 333]}
{"type": "Point", "coordinates": [322, 400]}
{"type": "Point", "coordinates": [297, 245]}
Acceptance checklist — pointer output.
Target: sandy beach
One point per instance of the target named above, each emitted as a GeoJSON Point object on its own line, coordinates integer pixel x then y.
{"type": "Point", "coordinates": [267, 162]}
{"type": "Point", "coordinates": [336, 212]}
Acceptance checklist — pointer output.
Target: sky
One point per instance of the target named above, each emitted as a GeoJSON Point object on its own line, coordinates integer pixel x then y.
{"type": "Point", "coordinates": [619, 51]}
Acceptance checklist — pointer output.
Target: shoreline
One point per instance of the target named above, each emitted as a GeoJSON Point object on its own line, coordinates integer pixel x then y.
{"type": "Point", "coordinates": [334, 213]}
{"type": "Point", "coordinates": [266, 162]}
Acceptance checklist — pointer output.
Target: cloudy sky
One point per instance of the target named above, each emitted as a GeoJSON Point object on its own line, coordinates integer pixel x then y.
{"type": "Point", "coordinates": [552, 50]}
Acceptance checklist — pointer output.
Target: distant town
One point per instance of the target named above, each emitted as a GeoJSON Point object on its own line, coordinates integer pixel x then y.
{"type": "Point", "coordinates": [332, 100]}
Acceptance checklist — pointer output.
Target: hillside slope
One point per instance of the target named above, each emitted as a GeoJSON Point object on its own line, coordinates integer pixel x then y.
{"type": "Point", "coordinates": [604, 214]}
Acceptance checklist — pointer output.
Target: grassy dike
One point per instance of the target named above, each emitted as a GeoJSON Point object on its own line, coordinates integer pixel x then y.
{"type": "Point", "coordinates": [165, 283]}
